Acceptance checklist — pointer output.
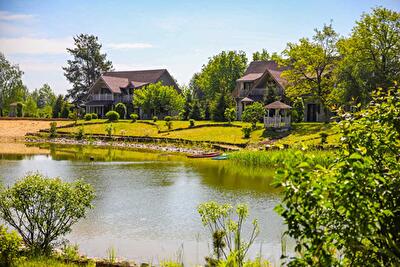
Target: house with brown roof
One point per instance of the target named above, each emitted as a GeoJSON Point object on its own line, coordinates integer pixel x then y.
{"type": "Point", "coordinates": [253, 86]}
{"type": "Point", "coordinates": [259, 78]}
{"type": "Point", "coordinates": [120, 86]}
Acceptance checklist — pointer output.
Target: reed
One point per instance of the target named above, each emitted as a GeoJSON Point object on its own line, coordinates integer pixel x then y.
{"type": "Point", "coordinates": [276, 158]}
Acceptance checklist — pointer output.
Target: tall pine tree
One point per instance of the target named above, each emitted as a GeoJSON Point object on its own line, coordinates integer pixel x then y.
{"type": "Point", "coordinates": [86, 66]}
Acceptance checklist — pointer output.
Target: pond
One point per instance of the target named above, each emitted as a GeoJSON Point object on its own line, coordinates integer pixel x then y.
{"type": "Point", "coordinates": [146, 202]}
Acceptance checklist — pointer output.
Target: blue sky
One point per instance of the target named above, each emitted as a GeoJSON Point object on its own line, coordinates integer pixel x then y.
{"type": "Point", "coordinates": [177, 35]}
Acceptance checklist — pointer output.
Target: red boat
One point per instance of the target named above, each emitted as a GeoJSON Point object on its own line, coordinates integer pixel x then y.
{"type": "Point", "coordinates": [205, 155]}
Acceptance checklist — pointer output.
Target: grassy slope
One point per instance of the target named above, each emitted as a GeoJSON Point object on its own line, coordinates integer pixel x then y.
{"type": "Point", "coordinates": [301, 134]}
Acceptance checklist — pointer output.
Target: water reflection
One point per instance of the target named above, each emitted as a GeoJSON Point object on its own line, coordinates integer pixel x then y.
{"type": "Point", "coordinates": [146, 202]}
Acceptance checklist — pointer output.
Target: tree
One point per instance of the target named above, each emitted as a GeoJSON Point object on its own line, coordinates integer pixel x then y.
{"type": "Point", "coordinates": [187, 107]}
{"type": "Point", "coordinates": [230, 114]}
{"type": "Point", "coordinates": [86, 66]}
{"type": "Point", "coordinates": [311, 66]}
{"type": "Point", "coordinates": [31, 109]}
{"type": "Point", "coordinates": [370, 57]}
{"type": "Point", "coordinates": [221, 72]}
{"type": "Point", "coordinates": [158, 100]}
{"type": "Point", "coordinates": [297, 111]}
{"type": "Point", "coordinates": [195, 113]}
{"type": "Point", "coordinates": [253, 113]}
{"type": "Point", "coordinates": [11, 86]}
{"type": "Point", "coordinates": [65, 110]}
{"type": "Point", "coordinates": [43, 209]}
{"type": "Point", "coordinates": [261, 55]}
{"type": "Point", "coordinates": [58, 105]}
{"type": "Point", "coordinates": [347, 214]}
{"type": "Point", "coordinates": [220, 106]}
{"type": "Point", "coordinates": [45, 96]}
{"type": "Point", "coordinates": [121, 109]}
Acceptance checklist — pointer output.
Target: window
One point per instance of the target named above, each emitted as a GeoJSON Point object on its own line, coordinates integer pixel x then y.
{"type": "Point", "coordinates": [247, 85]}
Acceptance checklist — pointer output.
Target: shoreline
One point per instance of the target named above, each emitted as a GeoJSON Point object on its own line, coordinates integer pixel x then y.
{"type": "Point", "coordinates": [119, 145]}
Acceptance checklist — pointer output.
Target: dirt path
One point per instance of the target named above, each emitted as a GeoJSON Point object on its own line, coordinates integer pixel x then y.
{"type": "Point", "coordinates": [16, 129]}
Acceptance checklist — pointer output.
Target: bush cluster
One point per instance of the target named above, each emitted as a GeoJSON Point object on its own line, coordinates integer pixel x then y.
{"type": "Point", "coordinates": [112, 115]}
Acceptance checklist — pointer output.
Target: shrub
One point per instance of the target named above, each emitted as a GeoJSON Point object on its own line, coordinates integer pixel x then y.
{"type": "Point", "coordinates": [168, 124]}
{"type": "Point", "coordinates": [70, 252]}
{"type": "Point", "coordinates": [348, 213]}
{"type": "Point", "coordinates": [121, 109]}
{"type": "Point", "coordinates": [53, 129]}
{"type": "Point", "coordinates": [167, 118]}
{"type": "Point", "coordinates": [95, 116]}
{"type": "Point", "coordinates": [110, 129]}
{"type": "Point", "coordinates": [112, 115]}
{"type": "Point", "coordinates": [134, 117]}
{"type": "Point", "coordinates": [227, 233]}
{"type": "Point", "coordinates": [80, 133]}
{"type": "Point", "coordinates": [10, 244]}
{"type": "Point", "coordinates": [155, 118]}
{"type": "Point", "coordinates": [191, 122]}
{"type": "Point", "coordinates": [324, 137]}
{"type": "Point", "coordinates": [20, 109]}
{"type": "Point", "coordinates": [246, 131]}
{"type": "Point", "coordinates": [230, 114]}
{"type": "Point", "coordinates": [43, 209]}
{"type": "Point", "coordinates": [253, 113]}
{"type": "Point", "coordinates": [88, 117]}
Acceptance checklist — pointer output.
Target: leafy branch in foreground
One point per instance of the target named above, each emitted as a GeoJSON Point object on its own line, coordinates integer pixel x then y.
{"type": "Point", "coordinates": [348, 214]}
{"type": "Point", "coordinates": [42, 209]}
{"type": "Point", "coordinates": [226, 232]}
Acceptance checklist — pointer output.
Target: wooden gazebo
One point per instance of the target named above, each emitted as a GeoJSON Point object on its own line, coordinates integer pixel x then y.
{"type": "Point", "coordinates": [278, 115]}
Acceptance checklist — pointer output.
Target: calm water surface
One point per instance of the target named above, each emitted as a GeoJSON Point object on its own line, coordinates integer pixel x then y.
{"type": "Point", "coordinates": [146, 202]}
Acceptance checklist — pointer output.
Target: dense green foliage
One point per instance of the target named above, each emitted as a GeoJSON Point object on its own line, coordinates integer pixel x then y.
{"type": "Point", "coordinates": [58, 105]}
{"type": "Point", "coordinates": [311, 65]}
{"type": "Point", "coordinates": [246, 130]}
{"type": "Point", "coordinates": [219, 75]}
{"type": "Point", "coordinates": [20, 109]}
{"type": "Point", "coordinates": [88, 117]}
{"type": "Point", "coordinates": [261, 55]}
{"type": "Point", "coordinates": [112, 115]}
{"type": "Point", "coordinates": [53, 129]}
{"type": "Point", "coordinates": [42, 209]}
{"type": "Point", "coordinates": [227, 233]}
{"type": "Point", "coordinates": [121, 109]}
{"type": "Point", "coordinates": [159, 100]}
{"type": "Point", "coordinates": [370, 56]}
{"type": "Point", "coordinates": [11, 86]}
{"type": "Point", "coordinates": [134, 117]}
{"type": "Point", "coordinates": [253, 113]}
{"type": "Point", "coordinates": [230, 114]}
{"type": "Point", "coordinates": [10, 245]}
{"type": "Point", "coordinates": [86, 65]}
{"type": "Point", "coordinates": [348, 213]}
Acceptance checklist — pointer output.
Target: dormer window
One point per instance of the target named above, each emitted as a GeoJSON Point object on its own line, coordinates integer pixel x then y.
{"type": "Point", "coordinates": [247, 85]}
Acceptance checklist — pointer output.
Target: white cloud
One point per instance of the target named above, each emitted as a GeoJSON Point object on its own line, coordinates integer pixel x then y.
{"type": "Point", "coordinates": [27, 45]}
{"type": "Point", "coordinates": [9, 16]}
{"type": "Point", "coordinates": [121, 46]}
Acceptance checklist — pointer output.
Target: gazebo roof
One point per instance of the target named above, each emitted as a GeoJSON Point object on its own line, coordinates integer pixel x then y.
{"type": "Point", "coordinates": [277, 105]}
{"type": "Point", "coordinates": [246, 99]}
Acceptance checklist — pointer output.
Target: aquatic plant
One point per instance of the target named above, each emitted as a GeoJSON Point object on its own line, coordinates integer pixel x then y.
{"type": "Point", "coordinates": [227, 235]}
{"type": "Point", "coordinates": [276, 158]}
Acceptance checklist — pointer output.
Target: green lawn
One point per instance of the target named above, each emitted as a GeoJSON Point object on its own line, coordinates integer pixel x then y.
{"type": "Point", "coordinates": [121, 128]}
{"type": "Point", "coordinates": [301, 133]}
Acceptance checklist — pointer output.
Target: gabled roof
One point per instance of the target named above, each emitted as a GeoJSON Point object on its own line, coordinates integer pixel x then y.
{"type": "Point", "coordinates": [246, 99]}
{"type": "Point", "coordinates": [260, 68]}
{"type": "Point", "coordinates": [277, 105]}
{"type": "Point", "coordinates": [115, 83]}
{"type": "Point", "coordinates": [115, 80]}
{"type": "Point", "coordinates": [146, 76]}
